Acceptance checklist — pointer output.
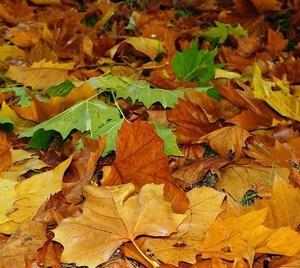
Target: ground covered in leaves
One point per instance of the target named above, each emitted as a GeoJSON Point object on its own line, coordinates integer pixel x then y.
{"type": "Point", "coordinates": [150, 133]}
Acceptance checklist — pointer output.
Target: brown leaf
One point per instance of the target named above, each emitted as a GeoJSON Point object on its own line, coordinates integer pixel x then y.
{"type": "Point", "coordinates": [193, 173]}
{"type": "Point", "coordinates": [276, 43]}
{"type": "Point", "coordinates": [23, 244]}
{"type": "Point", "coordinates": [228, 142]}
{"type": "Point", "coordinates": [140, 159]}
{"type": "Point", "coordinates": [82, 168]}
{"type": "Point", "coordinates": [190, 121]}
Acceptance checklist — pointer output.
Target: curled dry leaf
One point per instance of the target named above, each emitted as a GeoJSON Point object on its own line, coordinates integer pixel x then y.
{"type": "Point", "coordinates": [205, 205]}
{"type": "Point", "coordinates": [140, 159]}
{"type": "Point", "coordinates": [148, 46]}
{"type": "Point", "coordinates": [121, 217]}
{"type": "Point", "coordinates": [228, 142]}
{"type": "Point", "coordinates": [23, 244]}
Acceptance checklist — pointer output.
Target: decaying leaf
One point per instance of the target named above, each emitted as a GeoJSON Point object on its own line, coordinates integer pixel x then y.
{"type": "Point", "coordinates": [121, 217]}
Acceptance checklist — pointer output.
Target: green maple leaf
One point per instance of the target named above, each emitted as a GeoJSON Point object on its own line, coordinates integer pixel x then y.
{"type": "Point", "coordinates": [139, 90]}
{"type": "Point", "coordinates": [222, 30]}
{"type": "Point", "coordinates": [22, 97]}
{"type": "Point", "coordinates": [61, 90]}
{"type": "Point", "coordinates": [86, 116]}
{"type": "Point", "coordinates": [193, 64]}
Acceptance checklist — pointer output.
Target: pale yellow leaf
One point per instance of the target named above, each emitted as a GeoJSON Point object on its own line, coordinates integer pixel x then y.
{"type": "Point", "coordinates": [10, 51]}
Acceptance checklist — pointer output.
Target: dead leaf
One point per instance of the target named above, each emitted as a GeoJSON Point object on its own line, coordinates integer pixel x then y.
{"type": "Point", "coordinates": [4, 152]}
{"type": "Point", "coordinates": [227, 141]}
{"type": "Point", "coordinates": [205, 205]}
{"type": "Point", "coordinates": [140, 159]}
{"type": "Point", "coordinates": [104, 228]}
{"type": "Point", "coordinates": [237, 180]}
{"type": "Point", "coordinates": [23, 244]}
{"type": "Point", "coordinates": [148, 46]}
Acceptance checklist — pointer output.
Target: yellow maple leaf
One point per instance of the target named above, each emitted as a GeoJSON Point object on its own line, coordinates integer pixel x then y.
{"type": "Point", "coordinates": [241, 237]}
{"type": "Point", "coordinates": [24, 199]}
{"type": "Point", "coordinates": [280, 100]}
{"type": "Point", "coordinates": [205, 205]}
{"type": "Point", "coordinates": [10, 51]}
{"type": "Point", "coordinates": [111, 216]}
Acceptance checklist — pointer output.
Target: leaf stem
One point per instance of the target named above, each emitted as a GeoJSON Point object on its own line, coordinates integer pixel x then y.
{"type": "Point", "coordinates": [117, 105]}
{"type": "Point", "coordinates": [154, 263]}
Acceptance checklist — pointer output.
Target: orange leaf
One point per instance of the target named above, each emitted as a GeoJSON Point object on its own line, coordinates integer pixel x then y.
{"type": "Point", "coordinates": [140, 159]}
{"type": "Point", "coordinates": [4, 152]}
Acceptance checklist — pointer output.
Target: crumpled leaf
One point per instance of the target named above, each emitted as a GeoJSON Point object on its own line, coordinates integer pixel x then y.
{"type": "Point", "coordinates": [23, 244]}
{"type": "Point", "coordinates": [25, 198]}
{"type": "Point", "coordinates": [244, 235]}
{"type": "Point", "coordinates": [228, 142]}
{"type": "Point", "coordinates": [237, 180]}
{"type": "Point", "coordinates": [21, 162]}
{"type": "Point", "coordinates": [205, 205]}
{"type": "Point", "coordinates": [121, 217]}
{"type": "Point", "coordinates": [148, 46]}
{"type": "Point", "coordinates": [40, 75]}
{"type": "Point", "coordinates": [280, 100]}
{"type": "Point", "coordinates": [140, 160]}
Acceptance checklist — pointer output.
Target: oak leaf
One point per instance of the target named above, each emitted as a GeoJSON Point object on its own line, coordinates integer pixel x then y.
{"type": "Point", "coordinates": [140, 159]}
{"type": "Point", "coordinates": [121, 217]}
{"type": "Point", "coordinates": [228, 142]}
{"type": "Point", "coordinates": [23, 244]}
{"type": "Point", "coordinates": [205, 205]}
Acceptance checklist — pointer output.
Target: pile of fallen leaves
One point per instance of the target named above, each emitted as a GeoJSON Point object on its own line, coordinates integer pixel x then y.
{"type": "Point", "coordinates": [150, 133]}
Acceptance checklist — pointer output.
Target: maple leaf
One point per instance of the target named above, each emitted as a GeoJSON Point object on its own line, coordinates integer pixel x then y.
{"type": "Point", "coordinates": [222, 30]}
{"type": "Point", "coordinates": [205, 206]}
{"type": "Point", "coordinates": [24, 199]}
{"type": "Point", "coordinates": [122, 217]}
{"type": "Point", "coordinates": [283, 209]}
{"type": "Point", "coordinates": [237, 180]}
{"type": "Point", "coordinates": [140, 160]}
{"type": "Point", "coordinates": [7, 51]}
{"type": "Point", "coordinates": [194, 64]}
{"type": "Point", "coordinates": [244, 235]}
{"type": "Point", "coordinates": [282, 100]}
{"type": "Point", "coordinates": [61, 90]}
{"type": "Point", "coordinates": [88, 115]}
{"type": "Point", "coordinates": [40, 75]}
{"type": "Point", "coordinates": [227, 141]}
{"type": "Point", "coordinates": [148, 46]}
{"type": "Point", "coordinates": [21, 162]}
{"type": "Point", "coordinates": [139, 90]}
{"type": "Point", "coordinates": [23, 244]}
